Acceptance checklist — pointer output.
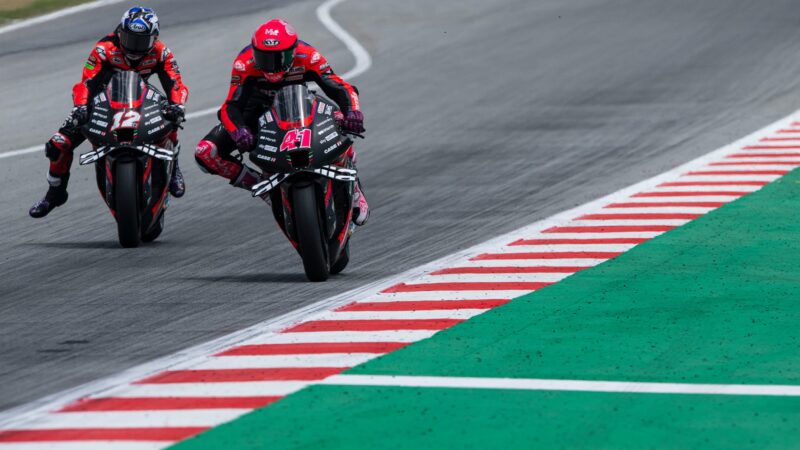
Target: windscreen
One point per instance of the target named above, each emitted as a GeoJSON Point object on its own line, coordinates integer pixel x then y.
{"type": "Point", "coordinates": [294, 104]}
{"type": "Point", "coordinates": [125, 89]}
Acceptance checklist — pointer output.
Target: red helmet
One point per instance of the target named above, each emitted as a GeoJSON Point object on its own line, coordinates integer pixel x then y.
{"type": "Point", "coordinates": [274, 44]}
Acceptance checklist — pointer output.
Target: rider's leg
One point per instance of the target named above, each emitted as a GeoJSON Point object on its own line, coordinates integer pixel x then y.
{"type": "Point", "coordinates": [360, 205]}
{"type": "Point", "coordinates": [177, 185]}
{"type": "Point", "coordinates": [213, 155]}
{"type": "Point", "coordinates": [60, 149]}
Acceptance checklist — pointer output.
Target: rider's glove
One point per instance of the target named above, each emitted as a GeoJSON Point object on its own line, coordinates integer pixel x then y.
{"type": "Point", "coordinates": [353, 122]}
{"type": "Point", "coordinates": [78, 116]}
{"type": "Point", "coordinates": [174, 113]}
{"type": "Point", "coordinates": [243, 138]}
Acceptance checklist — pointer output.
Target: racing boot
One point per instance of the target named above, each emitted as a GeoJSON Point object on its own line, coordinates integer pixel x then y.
{"type": "Point", "coordinates": [56, 196]}
{"type": "Point", "coordinates": [177, 186]}
{"type": "Point", "coordinates": [248, 178]}
{"type": "Point", "coordinates": [360, 206]}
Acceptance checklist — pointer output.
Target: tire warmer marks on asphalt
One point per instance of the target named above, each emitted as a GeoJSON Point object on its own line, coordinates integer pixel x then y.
{"type": "Point", "coordinates": [159, 410]}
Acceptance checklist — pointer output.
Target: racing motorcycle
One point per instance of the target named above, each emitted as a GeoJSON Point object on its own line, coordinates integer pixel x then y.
{"type": "Point", "coordinates": [133, 155]}
{"type": "Point", "coordinates": [307, 172]}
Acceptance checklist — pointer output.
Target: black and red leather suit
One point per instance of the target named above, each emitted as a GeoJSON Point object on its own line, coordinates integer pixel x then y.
{"type": "Point", "coordinates": [250, 94]}
{"type": "Point", "coordinates": [106, 58]}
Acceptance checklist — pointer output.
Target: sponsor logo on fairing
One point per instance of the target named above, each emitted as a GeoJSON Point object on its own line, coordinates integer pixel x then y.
{"type": "Point", "coordinates": [96, 131]}
{"type": "Point", "coordinates": [332, 148]}
{"type": "Point", "coordinates": [99, 108]}
{"type": "Point", "coordinates": [116, 60]}
{"type": "Point", "coordinates": [154, 120]}
{"type": "Point", "coordinates": [325, 130]}
{"type": "Point", "coordinates": [320, 108]}
{"type": "Point", "coordinates": [157, 129]}
{"type": "Point", "coordinates": [328, 110]}
{"type": "Point", "coordinates": [297, 69]}
{"type": "Point", "coordinates": [329, 137]}
{"type": "Point", "coordinates": [268, 148]}
{"type": "Point", "coordinates": [266, 158]}
{"type": "Point", "coordinates": [100, 123]}
{"type": "Point", "coordinates": [268, 117]}
{"type": "Point", "coordinates": [324, 66]}
{"type": "Point", "coordinates": [294, 78]}
{"type": "Point", "coordinates": [324, 121]}
{"type": "Point", "coordinates": [315, 57]}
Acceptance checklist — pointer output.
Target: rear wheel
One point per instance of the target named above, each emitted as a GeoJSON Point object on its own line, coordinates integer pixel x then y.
{"type": "Point", "coordinates": [308, 225]}
{"type": "Point", "coordinates": [126, 194]}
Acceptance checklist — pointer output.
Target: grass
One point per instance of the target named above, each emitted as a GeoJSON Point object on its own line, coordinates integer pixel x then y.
{"type": "Point", "coordinates": [11, 10]}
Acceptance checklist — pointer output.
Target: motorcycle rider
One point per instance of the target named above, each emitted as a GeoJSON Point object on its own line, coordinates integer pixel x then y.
{"type": "Point", "coordinates": [275, 58]}
{"type": "Point", "coordinates": [134, 45]}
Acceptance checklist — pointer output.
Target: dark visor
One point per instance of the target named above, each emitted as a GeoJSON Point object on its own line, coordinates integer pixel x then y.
{"type": "Point", "coordinates": [272, 62]}
{"type": "Point", "coordinates": [135, 43]}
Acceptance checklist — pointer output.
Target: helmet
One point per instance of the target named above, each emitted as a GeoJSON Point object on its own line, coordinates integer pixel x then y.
{"type": "Point", "coordinates": [274, 44]}
{"type": "Point", "coordinates": [137, 32]}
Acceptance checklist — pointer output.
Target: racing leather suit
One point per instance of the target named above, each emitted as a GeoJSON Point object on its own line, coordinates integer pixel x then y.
{"type": "Point", "coordinates": [106, 58]}
{"type": "Point", "coordinates": [250, 94]}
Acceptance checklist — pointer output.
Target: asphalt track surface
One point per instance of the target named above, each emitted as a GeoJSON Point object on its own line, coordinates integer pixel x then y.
{"type": "Point", "coordinates": [482, 117]}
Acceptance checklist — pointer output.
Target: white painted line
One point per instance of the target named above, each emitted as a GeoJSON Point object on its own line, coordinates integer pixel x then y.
{"type": "Point", "coordinates": [439, 295]}
{"type": "Point", "coordinates": [361, 55]}
{"type": "Point", "coordinates": [229, 389]}
{"type": "Point", "coordinates": [341, 336]}
{"type": "Point", "coordinates": [556, 248]}
{"type": "Point", "coordinates": [85, 445]}
{"type": "Point", "coordinates": [533, 384]}
{"type": "Point", "coordinates": [278, 361]}
{"type": "Point", "coordinates": [748, 177]}
{"type": "Point", "coordinates": [656, 210]}
{"type": "Point", "coordinates": [137, 419]}
{"type": "Point", "coordinates": [56, 15]}
{"type": "Point", "coordinates": [496, 278]}
{"type": "Point", "coordinates": [462, 314]}
{"type": "Point", "coordinates": [363, 60]}
{"type": "Point", "coordinates": [532, 263]}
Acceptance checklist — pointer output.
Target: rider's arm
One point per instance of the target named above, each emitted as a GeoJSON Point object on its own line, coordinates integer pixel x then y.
{"type": "Point", "coordinates": [340, 91]}
{"type": "Point", "coordinates": [170, 76]}
{"type": "Point", "coordinates": [91, 75]}
{"type": "Point", "coordinates": [242, 83]}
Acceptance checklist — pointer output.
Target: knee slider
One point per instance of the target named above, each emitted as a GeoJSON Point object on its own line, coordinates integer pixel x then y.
{"type": "Point", "coordinates": [204, 156]}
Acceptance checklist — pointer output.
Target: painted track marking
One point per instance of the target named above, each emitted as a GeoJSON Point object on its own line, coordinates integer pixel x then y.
{"type": "Point", "coordinates": [533, 384]}
{"type": "Point", "coordinates": [215, 382]}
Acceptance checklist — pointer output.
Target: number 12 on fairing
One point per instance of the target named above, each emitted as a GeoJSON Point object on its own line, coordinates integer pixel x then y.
{"type": "Point", "coordinates": [291, 138]}
{"type": "Point", "coordinates": [126, 119]}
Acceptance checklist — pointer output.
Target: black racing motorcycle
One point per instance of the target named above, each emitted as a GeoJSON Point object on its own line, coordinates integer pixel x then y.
{"type": "Point", "coordinates": [308, 173]}
{"type": "Point", "coordinates": [134, 155]}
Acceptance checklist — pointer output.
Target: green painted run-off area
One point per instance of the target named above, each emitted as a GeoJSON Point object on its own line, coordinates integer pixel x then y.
{"type": "Point", "coordinates": [715, 301]}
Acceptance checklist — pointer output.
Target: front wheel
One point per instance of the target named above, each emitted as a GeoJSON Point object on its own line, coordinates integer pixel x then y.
{"type": "Point", "coordinates": [310, 237]}
{"type": "Point", "coordinates": [126, 194]}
